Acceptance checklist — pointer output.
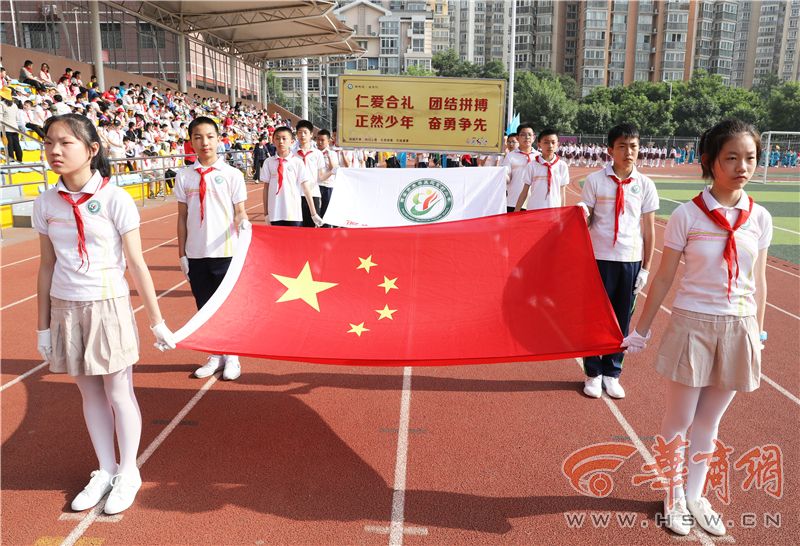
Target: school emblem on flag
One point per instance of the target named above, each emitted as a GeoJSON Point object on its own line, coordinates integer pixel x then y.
{"type": "Point", "coordinates": [425, 200]}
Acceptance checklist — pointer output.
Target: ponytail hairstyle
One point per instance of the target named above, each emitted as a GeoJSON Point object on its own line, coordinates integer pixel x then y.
{"type": "Point", "coordinates": [83, 129]}
{"type": "Point", "coordinates": [714, 139]}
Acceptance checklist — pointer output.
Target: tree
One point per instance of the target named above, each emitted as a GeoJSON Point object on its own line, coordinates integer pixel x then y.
{"type": "Point", "coordinates": [766, 83]}
{"type": "Point", "coordinates": [494, 69]}
{"type": "Point", "coordinates": [735, 102]}
{"type": "Point", "coordinates": [784, 107]}
{"type": "Point", "coordinates": [594, 118]}
{"type": "Point", "coordinates": [448, 64]}
{"type": "Point", "coordinates": [543, 103]}
{"type": "Point", "coordinates": [414, 70]}
{"type": "Point", "coordinates": [697, 107]}
{"type": "Point", "coordinates": [275, 88]}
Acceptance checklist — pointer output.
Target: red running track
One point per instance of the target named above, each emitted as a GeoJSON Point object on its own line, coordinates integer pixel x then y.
{"type": "Point", "coordinates": [308, 454]}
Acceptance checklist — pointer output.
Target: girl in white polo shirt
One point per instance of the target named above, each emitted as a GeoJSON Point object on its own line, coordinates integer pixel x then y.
{"type": "Point", "coordinates": [211, 196]}
{"type": "Point", "coordinates": [712, 346]}
{"type": "Point", "coordinates": [88, 231]}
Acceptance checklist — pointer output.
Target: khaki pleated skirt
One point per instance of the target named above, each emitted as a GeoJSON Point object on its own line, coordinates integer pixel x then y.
{"type": "Point", "coordinates": [93, 337]}
{"type": "Point", "coordinates": [701, 350]}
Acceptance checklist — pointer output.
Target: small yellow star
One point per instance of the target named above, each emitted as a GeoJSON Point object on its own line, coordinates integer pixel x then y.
{"type": "Point", "coordinates": [385, 312]}
{"type": "Point", "coordinates": [357, 329]}
{"type": "Point", "coordinates": [388, 284]}
{"type": "Point", "coordinates": [303, 287]}
{"type": "Point", "coordinates": [366, 263]}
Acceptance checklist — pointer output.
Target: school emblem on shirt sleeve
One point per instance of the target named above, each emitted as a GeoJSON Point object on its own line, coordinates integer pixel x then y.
{"type": "Point", "coordinates": [93, 206]}
{"type": "Point", "coordinates": [425, 200]}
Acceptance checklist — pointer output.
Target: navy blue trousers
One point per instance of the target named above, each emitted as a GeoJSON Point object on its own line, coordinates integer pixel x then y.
{"type": "Point", "coordinates": [618, 280]}
{"type": "Point", "coordinates": [205, 276]}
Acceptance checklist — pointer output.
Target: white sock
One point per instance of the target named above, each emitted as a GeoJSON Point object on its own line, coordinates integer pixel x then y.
{"type": "Point", "coordinates": [99, 420]}
{"type": "Point", "coordinates": [128, 417]}
{"type": "Point", "coordinates": [681, 403]}
{"type": "Point", "coordinates": [710, 409]}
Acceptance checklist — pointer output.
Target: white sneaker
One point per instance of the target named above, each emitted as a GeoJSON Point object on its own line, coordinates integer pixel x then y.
{"type": "Point", "coordinates": [96, 489]}
{"type": "Point", "coordinates": [209, 368]}
{"type": "Point", "coordinates": [593, 386]}
{"type": "Point", "coordinates": [232, 368]}
{"type": "Point", "coordinates": [678, 519]}
{"type": "Point", "coordinates": [706, 517]}
{"type": "Point", "coordinates": [613, 388]}
{"type": "Point", "coordinates": [125, 487]}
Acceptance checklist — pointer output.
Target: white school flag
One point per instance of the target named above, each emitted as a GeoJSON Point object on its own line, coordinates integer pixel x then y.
{"type": "Point", "coordinates": [407, 197]}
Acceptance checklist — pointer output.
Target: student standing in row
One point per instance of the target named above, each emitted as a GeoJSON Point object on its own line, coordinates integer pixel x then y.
{"type": "Point", "coordinates": [312, 159]}
{"type": "Point", "coordinates": [712, 346]}
{"type": "Point", "coordinates": [211, 196]}
{"type": "Point", "coordinates": [622, 204]}
{"type": "Point", "coordinates": [286, 181]}
{"type": "Point", "coordinates": [548, 176]}
{"type": "Point", "coordinates": [86, 325]}
{"type": "Point", "coordinates": [327, 173]}
{"type": "Point", "coordinates": [516, 163]}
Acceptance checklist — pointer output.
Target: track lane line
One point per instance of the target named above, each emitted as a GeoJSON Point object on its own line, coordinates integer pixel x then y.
{"type": "Point", "coordinates": [401, 461]}
{"type": "Point", "coordinates": [642, 449]}
{"type": "Point", "coordinates": [95, 512]}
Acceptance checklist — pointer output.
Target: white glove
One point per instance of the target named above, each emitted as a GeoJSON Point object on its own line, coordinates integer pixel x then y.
{"type": "Point", "coordinates": [44, 344]}
{"type": "Point", "coordinates": [185, 266]}
{"type": "Point", "coordinates": [245, 225]}
{"type": "Point", "coordinates": [165, 339]}
{"type": "Point", "coordinates": [641, 280]}
{"type": "Point", "coordinates": [585, 209]}
{"type": "Point", "coordinates": [635, 342]}
{"type": "Point", "coordinates": [317, 219]}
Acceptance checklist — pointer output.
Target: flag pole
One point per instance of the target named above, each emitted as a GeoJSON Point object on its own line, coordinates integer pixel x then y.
{"type": "Point", "coordinates": [512, 63]}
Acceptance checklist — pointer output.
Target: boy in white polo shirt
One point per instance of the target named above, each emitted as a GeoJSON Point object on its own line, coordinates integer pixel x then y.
{"type": "Point", "coordinates": [516, 163]}
{"type": "Point", "coordinates": [548, 176]}
{"type": "Point", "coordinates": [622, 204]}
{"type": "Point", "coordinates": [211, 196]}
{"type": "Point", "coordinates": [313, 160]}
{"type": "Point", "coordinates": [285, 179]}
{"type": "Point", "coordinates": [327, 173]}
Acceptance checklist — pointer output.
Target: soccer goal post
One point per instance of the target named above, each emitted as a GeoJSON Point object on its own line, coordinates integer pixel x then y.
{"type": "Point", "coordinates": [779, 159]}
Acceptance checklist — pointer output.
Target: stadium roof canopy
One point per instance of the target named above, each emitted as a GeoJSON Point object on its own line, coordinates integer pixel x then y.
{"type": "Point", "coordinates": [255, 30]}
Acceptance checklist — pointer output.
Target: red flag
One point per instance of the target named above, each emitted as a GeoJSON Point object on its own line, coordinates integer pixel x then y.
{"type": "Point", "coordinates": [504, 288]}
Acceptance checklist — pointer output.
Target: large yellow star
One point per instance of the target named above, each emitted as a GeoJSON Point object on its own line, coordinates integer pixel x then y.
{"type": "Point", "coordinates": [357, 329]}
{"type": "Point", "coordinates": [366, 263]}
{"type": "Point", "coordinates": [303, 287]}
{"type": "Point", "coordinates": [388, 284]}
{"type": "Point", "coordinates": [385, 312]}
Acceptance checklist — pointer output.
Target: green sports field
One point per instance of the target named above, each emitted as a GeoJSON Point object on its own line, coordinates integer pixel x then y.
{"type": "Point", "coordinates": [781, 199]}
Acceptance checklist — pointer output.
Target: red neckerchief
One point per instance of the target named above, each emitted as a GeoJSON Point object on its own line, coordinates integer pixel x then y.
{"type": "Point", "coordinates": [619, 205]}
{"type": "Point", "coordinates": [549, 166]}
{"type": "Point", "coordinates": [303, 154]}
{"type": "Point", "coordinates": [203, 174]}
{"type": "Point", "coordinates": [730, 254]}
{"type": "Point", "coordinates": [527, 154]}
{"type": "Point", "coordinates": [79, 219]}
{"type": "Point", "coordinates": [281, 161]}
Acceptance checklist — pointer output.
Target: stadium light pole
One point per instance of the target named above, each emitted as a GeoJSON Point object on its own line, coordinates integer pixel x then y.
{"type": "Point", "coordinates": [304, 86]}
{"type": "Point", "coordinates": [97, 44]}
{"type": "Point", "coordinates": [512, 63]}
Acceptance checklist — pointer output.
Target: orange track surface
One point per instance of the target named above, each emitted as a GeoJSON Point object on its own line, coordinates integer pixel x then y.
{"type": "Point", "coordinates": [308, 454]}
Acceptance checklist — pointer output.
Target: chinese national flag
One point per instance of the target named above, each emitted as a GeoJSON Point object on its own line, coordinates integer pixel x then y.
{"type": "Point", "coordinates": [513, 287]}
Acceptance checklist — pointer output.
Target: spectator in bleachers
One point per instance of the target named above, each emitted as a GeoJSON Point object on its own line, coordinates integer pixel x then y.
{"type": "Point", "coordinates": [31, 119]}
{"type": "Point", "coordinates": [26, 76]}
{"type": "Point", "coordinates": [9, 114]}
{"type": "Point", "coordinates": [45, 77]}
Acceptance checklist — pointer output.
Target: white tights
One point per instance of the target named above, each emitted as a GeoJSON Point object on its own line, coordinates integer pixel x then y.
{"type": "Point", "coordinates": [701, 408]}
{"type": "Point", "coordinates": [109, 405]}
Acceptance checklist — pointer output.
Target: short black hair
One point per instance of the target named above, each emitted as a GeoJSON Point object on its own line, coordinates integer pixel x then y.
{"type": "Point", "coordinates": [546, 132]}
{"type": "Point", "coordinates": [324, 132]}
{"type": "Point", "coordinates": [202, 120]}
{"type": "Point", "coordinates": [304, 123]}
{"type": "Point", "coordinates": [623, 130]}
{"type": "Point", "coordinates": [282, 129]}
{"type": "Point", "coordinates": [515, 135]}
{"type": "Point", "coordinates": [525, 126]}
